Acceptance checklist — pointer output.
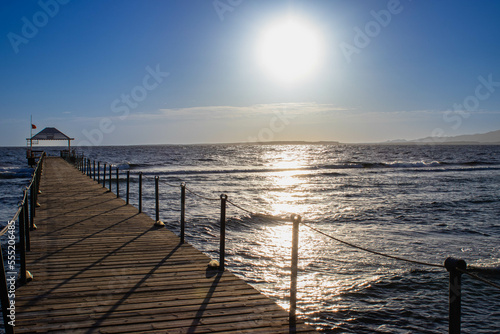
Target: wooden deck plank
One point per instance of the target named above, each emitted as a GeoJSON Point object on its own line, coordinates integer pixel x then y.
{"type": "Point", "coordinates": [99, 266]}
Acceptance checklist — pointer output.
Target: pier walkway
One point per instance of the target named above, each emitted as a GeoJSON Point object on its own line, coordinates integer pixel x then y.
{"type": "Point", "coordinates": [99, 266]}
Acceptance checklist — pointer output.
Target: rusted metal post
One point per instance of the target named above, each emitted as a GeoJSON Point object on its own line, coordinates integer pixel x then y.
{"type": "Point", "coordinates": [293, 276]}
{"type": "Point", "coordinates": [222, 249]}
{"type": "Point", "coordinates": [455, 293]}
{"type": "Point", "coordinates": [128, 186]}
{"type": "Point", "coordinates": [117, 182]}
{"type": "Point", "coordinates": [104, 177]}
{"type": "Point", "coordinates": [140, 192]}
{"type": "Point", "coordinates": [183, 210]}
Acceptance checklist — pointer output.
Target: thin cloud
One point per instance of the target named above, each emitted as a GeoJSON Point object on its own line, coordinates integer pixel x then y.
{"type": "Point", "coordinates": [232, 112]}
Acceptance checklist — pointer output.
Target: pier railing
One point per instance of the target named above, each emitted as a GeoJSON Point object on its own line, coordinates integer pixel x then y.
{"type": "Point", "coordinates": [455, 267]}
{"type": "Point", "coordinates": [8, 271]}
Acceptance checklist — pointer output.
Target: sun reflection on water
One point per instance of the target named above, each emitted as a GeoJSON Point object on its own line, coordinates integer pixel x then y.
{"type": "Point", "coordinates": [288, 192]}
{"type": "Point", "coordinates": [285, 181]}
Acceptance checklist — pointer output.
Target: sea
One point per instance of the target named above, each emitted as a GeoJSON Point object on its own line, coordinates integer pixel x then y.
{"type": "Point", "coordinates": [419, 202]}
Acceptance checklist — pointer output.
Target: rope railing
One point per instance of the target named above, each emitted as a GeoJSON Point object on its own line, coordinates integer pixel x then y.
{"type": "Point", "coordinates": [201, 196]}
{"type": "Point", "coordinates": [373, 251]}
{"type": "Point", "coordinates": [454, 266]}
{"type": "Point", "coordinates": [25, 216]}
{"type": "Point", "coordinates": [12, 222]}
{"type": "Point", "coordinates": [474, 276]}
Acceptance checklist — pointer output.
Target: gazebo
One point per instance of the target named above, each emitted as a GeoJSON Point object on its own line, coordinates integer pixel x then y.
{"type": "Point", "coordinates": [45, 134]}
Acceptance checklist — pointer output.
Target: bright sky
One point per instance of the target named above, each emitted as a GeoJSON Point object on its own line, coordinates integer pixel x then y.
{"type": "Point", "coordinates": [198, 71]}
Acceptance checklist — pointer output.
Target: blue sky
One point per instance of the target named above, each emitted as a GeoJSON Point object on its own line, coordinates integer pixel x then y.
{"type": "Point", "coordinates": [172, 72]}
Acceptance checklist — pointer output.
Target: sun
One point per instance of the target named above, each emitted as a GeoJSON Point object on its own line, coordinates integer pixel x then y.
{"type": "Point", "coordinates": [289, 49]}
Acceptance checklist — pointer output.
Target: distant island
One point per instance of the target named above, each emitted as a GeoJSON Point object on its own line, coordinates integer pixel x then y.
{"type": "Point", "coordinates": [295, 142]}
{"type": "Point", "coordinates": [488, 138]}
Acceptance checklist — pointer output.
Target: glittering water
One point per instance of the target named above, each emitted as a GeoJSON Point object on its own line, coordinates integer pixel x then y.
{"type": "Point", "coordinates": [421, 202]}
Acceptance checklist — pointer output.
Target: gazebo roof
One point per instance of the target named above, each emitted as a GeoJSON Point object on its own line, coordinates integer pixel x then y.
{"type": "Point", "coordinates": [50, 134]}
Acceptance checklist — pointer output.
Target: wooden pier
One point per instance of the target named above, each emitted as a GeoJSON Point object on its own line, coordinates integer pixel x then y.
{"type": "Point", "coordinates": [99, 266]}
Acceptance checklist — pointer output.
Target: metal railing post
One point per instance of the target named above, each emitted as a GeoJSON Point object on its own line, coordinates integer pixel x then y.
{"type": "Point", "coordinates": [222, 249]}
{"type": "Point", "coordinates": [455, 293]}
{"type": "Point", "coordinates": [117, 182]}
{"type": "Point", "coordinates": [157, 202]}
{"type": "Point", "coordinates": [32, 208]}
{"type": "Point", "coordinates": [128, 186]}
{"type": "Point", "coordinates": [110, 177]}
{"type": "Point", "coordinates": [37, 184]}
{"type": "Point", "coordinates": [157, 199]}
{"type": "Point", "coordinates": [22, 244]}
{"type": "Point", "coordinates": [293, 275]}
{"type": "Point", "coordinates": [94, 169]}
{"type": "Point", "coordinates": [140, 192]}
{"type": "Point", "coordinates": [183, 210]}
{"type": "Point", "coordinates": [104, 177]}
{"type": "Point", "coordinates": [98, 172]}
{"type": "Point", "coordinates": [26, 220]}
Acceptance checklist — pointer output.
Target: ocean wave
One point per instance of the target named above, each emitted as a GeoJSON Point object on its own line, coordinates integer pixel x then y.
{"type": "Point", "coordinates": [325, 169]}
{"type": "Point", "coordinates": [409, 164]}
{"type": "Point", "coordinates": [15, 173]}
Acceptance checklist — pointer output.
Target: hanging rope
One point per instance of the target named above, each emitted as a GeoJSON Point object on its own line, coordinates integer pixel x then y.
{"type": "Point", "coordinates": [169, 184]}
{"type": "Point", "coordinates": [201, 196]}
{"type": "Point", "coordinates": [372, 251]}
{"type": "Point", "coordinates": [239, 207]}
{"type": "Point", "coordinates": [6, 228]}
{"type": "Point", "coordinates": [478, 278]}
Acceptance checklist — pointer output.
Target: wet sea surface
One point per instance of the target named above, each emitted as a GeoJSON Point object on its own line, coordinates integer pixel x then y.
{"type": "Point", "coordinates": [424, 203]}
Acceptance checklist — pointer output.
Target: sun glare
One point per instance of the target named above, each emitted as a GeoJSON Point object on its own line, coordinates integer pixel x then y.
{"type": "Point", "coordinates": [289, 50]}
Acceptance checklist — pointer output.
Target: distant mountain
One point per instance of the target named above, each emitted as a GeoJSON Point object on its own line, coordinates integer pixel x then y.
{"type": "Point", "coordinates": [492, 137]}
